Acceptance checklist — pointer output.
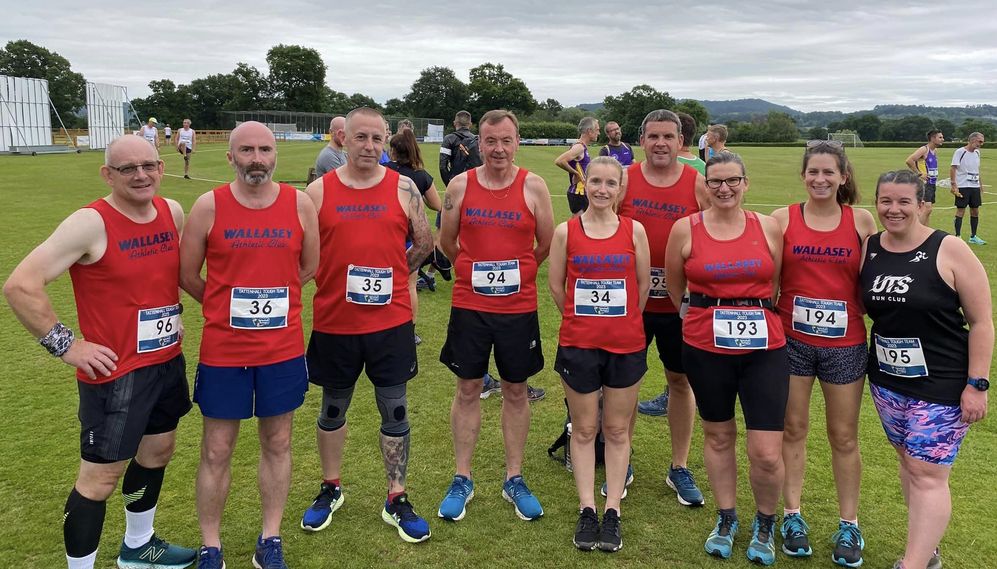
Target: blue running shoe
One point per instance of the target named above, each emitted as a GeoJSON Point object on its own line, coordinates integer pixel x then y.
{"type": "Point", "coordinates": [319, 515]}
{"type": "Point", "coordinates": [762, 547]}
{"type": "Point", "coordinates": [155, 553]}
{"type": "Point", "coordinates": [454, 504]}
{"type": "Point", "coordinates": [629, 481]}
{"type": "Point", "coordinates": [657, 407]}
{"type": "Point", "coordinates": [490, 386]}
{"type": "Point", "coordinates": [527, 506]}
{"type": "Point", "coordinates": [269, 553]}
{"type": "Point", "coordinates": [795, 540]}
{"type": "Point", "coordinates": [210, 558]}
{"type": "Point", "coordinates": [974, 240]}
{"type": "Point", "coordinates": [680, 480]}
{"type": "Point", "coordinates": [400, 514]}
{"type": "Point", "coordinates": [721, 539]}
{"type": "Point", "coordinates": [534, 394]}
{"type": "Point", "coordinates": [848, 545]}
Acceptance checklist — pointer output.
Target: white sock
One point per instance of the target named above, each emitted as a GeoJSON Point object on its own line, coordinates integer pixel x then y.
{"type": "Point", "coordinates": [138, 527]}
{"type": "Point", "coordinates": [82, 562]}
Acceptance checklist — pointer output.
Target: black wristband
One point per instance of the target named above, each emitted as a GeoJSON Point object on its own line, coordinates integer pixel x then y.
{"type": "Point", "coordinates": [58, 340]}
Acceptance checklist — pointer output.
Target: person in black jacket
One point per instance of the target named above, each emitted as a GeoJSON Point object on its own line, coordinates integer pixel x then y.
{"type": "Point", "coordinates": [459, 150]}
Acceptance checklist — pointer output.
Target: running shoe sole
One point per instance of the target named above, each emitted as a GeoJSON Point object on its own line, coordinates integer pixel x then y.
{"type": "Point", "coordinates": [390, 520]}
{"type": "Point", "coordinates": [509, 499]}
{"type": "Point", "coordinates": [328, 520]}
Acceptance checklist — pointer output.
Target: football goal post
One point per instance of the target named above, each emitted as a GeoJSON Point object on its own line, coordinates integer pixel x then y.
{"type": "Point", "coordinates": [848, 138]}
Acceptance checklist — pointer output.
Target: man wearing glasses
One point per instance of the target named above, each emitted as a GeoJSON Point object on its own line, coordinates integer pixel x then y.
{"type": "Point", "coordinates": [122, 253]}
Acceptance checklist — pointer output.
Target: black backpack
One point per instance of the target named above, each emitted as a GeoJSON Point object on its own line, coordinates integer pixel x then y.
{"type": "Point", "coordinates": [466, 155]}
{"type": "Point", "coordinates": [564, 442]}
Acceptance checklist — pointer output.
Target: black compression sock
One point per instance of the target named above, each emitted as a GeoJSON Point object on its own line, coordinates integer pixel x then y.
{"type": "Point", "coordinates": [141, 487]}
{"type": "Point", "coordinates": [82, 524]}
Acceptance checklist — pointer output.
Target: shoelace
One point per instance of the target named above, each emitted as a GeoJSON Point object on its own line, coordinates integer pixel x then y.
{"type": "Point", "coordinates": [519, 489]}
{"type": "Point", "coordinates": [325, 496]}
{"type": "Point", "coordinates": [726, 524]}
{"type": "Point", "coordinates": [273, 554]}
{"type": "Point", "coordinates": [611, 524]}
{"type": "Point", "coordinates": [588, 521]}
{"type": "Point", "coordinates": [661, 400]}
{"type": "Point", "coordinates": [765, 528]}
{"type": "Point", "coordinates": [459, 488]}
{"type": "Point", "coordinates": [405, 511]}
{"type": "Point", "coordinates": [847, 535]}
{"type": "Point", "coordinates": [683, 478]}
{"type": "Point", "coordinates": [795, 527]}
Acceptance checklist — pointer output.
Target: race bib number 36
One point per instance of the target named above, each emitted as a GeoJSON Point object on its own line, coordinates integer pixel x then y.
{"type": "Point", "coordinates": [158, 328]}
{"type": "Point", "coordinates": [658, 288]}
{"type": "Point", "coordinates": [495, 278]}
{"type": "Point", "coordinates": [817, 317]}
{"type": "Point", "coordinates": [740, 329]}
{"type": "Point", "coordinates": [259, 308]}
{"type": "Point", "coordinates": [601, 297]}
{"type": "Point", "coordinates": [901, 357]}
{"type": "Point", "coordinates": [369, 285]}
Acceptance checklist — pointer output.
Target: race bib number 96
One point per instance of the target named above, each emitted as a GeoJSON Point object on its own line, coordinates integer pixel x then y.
{"type": "Point", "coordinates": [369, 285]}
{"type": "Point", "coordinates": [900, 357]}
{"type": "Point", "coordinates": [259, 308]}
{"type": "Point", "coordinates": [740, 329]}
{"type": "Point", "coordinates": [158, 328]}
{"type": "Point", "coordinates": [495, 278]}
{"type": "Point", "coordinates": [817, 317]}
{"type": "Point", "coordinates": [658, 288]}
{"type": "Point", "coordinates": [601, 297]}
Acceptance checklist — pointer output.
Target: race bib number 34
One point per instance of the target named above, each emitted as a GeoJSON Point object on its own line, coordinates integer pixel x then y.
{"type": "Point", "coordinates": [369, 285]}
{"type": "Point", "coordinates": [158, 328]}
{"type": "Point", "coordinates": [740, 329]}
{"type": "Point", "coordinates": [901, 357]}
{"type": "Point", "coordinates": [658, 288]}
{"type": "Point", "coordinates": [601, 297]}
{"type": "Point", "coordinates": [817, 317]}
{"type": "Point", "coordinates": [495, 278]}
{"type": "Point", "coordinates": [259, 308]}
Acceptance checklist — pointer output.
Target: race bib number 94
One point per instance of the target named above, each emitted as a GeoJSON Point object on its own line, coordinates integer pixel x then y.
{"type": "Point", "coordinates": [658, 288]}
{"type": "Point", "coordinates": [817, 317]}
{"type": "Point", "coordinates": [740, 329]}
{"type": "Point", "coordinates": [369, 285]}
{"type": "Point", "coordinates": [601, 297]}
{"type": "Point", "coordinates": [900, 357]}
{"type": "Point", "coordinates": [495, 278]}
{"type": "Point", "coordinates": [259, 308]}
{"type": "Point", "coordinates": [158, 328]}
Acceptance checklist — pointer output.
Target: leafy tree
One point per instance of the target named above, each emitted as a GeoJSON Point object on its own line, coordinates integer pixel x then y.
{"type": "Point", "coordinates": [866, 125]}
{"type": "Point", "coordinates": [629, 109]}
{"type": "Point", "coordinates": [66, 88]}
{"type": "Point", "coordinates": [969, 126]}
{"type": "Point", "coordinates": [358, 100]}
{"type": "Point", "coordinates": [780, 127]}
{"type": "Point", "coordinates": [695, 109]}
{"type": "Point", "coordinates": [166, 102]}
{"type": "Point", "coordinates": [396, 107]}
{"type": "Point", "coordinates": [552, 106]}
{"type": "Point", "coordinates": [249, 88]}
{"type": "Point", "coordinates": [437, 93]}
{"type": "Point", "coordinates": [492, 87]}
{"type": "Point", "coordinates": [946, 126]}
{"type": "Point", "coordinates": [817, 133]}
{"type": "Point", "coordinates": [297, 78]}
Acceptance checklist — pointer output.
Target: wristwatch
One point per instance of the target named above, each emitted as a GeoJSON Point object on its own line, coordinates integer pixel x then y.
{"type": "Point", "coordinates": [980, 383]}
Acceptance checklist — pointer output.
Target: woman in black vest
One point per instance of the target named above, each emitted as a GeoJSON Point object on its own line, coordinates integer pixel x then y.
{"type": "Point", "coordinates": [928, 373]}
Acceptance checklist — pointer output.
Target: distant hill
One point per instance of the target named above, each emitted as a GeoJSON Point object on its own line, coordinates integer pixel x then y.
{"type": "Point", "coordinates": [744, 109]}
{"type": "Point", "coordinates": [590, 106]}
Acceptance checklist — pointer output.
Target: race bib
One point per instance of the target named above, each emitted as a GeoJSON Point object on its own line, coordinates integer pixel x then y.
{"type": "Point", "coordinates": [901, 357]}
{"type": "Point", "coordinates": [369, 285]}
{"type": "Point", "coordinates": [973, 177]}
{"type": "Point", "coordinates": [495, 278]}
{"type": "Point", "coordinates": [740, 329]}
{"type": "Point", "coordinates": [658, 288]}
{"type": "Point", "coordinates": [818, 317]}
{"type": "Point", "coordinates": [932, 172]}
{"type": "Point", "coordinates": [601, 297]}
{"type": "Point", "coordinates": [259, 308]}
{"type": "Point", "coordinates": [158, 328]}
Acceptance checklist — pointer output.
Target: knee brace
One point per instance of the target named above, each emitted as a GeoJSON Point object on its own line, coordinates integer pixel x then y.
{"type": "Point", "coordinates": [335, 402]}
{"type": "Point", "coordinates": [393, 406]}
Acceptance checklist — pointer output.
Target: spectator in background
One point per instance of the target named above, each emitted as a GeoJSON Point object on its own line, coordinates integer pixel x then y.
{"type": "Point", "coordinates": [616, 147]}
{"type": "Point", "coordinates": [688, 133]}
{"type": "Point", "coordinates": [332, 156]}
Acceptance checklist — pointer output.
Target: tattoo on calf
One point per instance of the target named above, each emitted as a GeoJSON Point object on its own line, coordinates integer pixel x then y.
{"type": "Point", "coordinates": [395, 451]}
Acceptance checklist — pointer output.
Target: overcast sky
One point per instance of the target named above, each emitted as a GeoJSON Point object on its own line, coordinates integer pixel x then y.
{"type": "Point", "coordinates": [842, 55]}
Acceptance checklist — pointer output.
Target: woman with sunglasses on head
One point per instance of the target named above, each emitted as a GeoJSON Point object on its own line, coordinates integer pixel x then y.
{"type": "Point", "coordinates": [599, 277]}
{"type": "Point", "coordinates": [825, 338]}
{"type": "Point", "coordinates": [928, 373]}
{"type": "Point", "coordinates": [734, 347]}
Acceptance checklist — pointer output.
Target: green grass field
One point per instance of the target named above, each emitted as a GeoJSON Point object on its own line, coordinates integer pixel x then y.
{"type": "Point", "coordinates": [39, 448]}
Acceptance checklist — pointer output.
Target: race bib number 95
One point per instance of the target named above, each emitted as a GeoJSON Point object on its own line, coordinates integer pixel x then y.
{"type": "Point", "coordinates": [259, 308]}
{"type": "Point", "coordinates": [158, 328]}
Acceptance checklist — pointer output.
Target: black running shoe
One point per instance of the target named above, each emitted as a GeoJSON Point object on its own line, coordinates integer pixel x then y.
{"type": "Point", "coordinates": [610, 538]}
{"type": "Point", "coordinates": [587, 530]}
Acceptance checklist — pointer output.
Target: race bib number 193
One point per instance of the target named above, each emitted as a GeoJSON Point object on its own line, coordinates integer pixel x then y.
{"type": "Point", "coordinates": [259, 308]}
{"type": "Point", "coordinates": [740, 329]}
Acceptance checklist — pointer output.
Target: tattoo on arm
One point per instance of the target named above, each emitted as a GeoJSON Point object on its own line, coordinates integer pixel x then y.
{"type": "Point", "coordinates": [447, 202]}
{"type": "Point", "coordinates": [418, 228]}
{"type": "Point", "coordinates": [395, 451]}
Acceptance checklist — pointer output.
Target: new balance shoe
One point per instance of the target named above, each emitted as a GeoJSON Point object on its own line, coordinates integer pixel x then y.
{"type": "Point", "coordinates": [848, 545]}
{"type": "Point", "coordinates": [610, 537]}
{"type": "Point", "coordinates": [587, 530]}
{"type": "Point", "coordinates": [269, 554]}
{"type": "Point", "coordinates": [628, 482]}
{"type": "Point", "coordinates": [721, 539]}
{"type": "Point", "coordinates": [527, 506]}
{"type": "Point", "coordinates": [680, 480]}
{"type": "Point", "coordinates": [489, 386]}
{"type": "Point", "coordinates": [400, 514]}
{"type": "Point", "coordinates": [454, 504]}
{"type": "Point", "coordinates": [318, 516]}
{"type": "Point", "coordinates": [974, 240]}
{"type": "Point", "coordinates": [210, 558]}
{"type": "Point", "coordinates": [156, 552]}
{"type": "Point", "coordinates": [795, 540]}
{"type": "Point", "coordinates": [534, 394]}
{"type": "Point", "coordinates": [762, 547]}
{"type": "Point", "coordinates": [657, 407]}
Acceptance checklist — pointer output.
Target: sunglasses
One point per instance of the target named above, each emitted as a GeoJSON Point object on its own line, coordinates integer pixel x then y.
{"type": "Point", "coordinates": [819, 143]}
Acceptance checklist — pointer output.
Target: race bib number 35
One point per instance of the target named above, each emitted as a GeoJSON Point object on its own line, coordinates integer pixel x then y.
{"type": "Point", "coordinates": [495, 278]}
{"type": "Point", "coordinates": [158, 328]}
{"type": "Point", "coordinates": [369, 285]}
{"type": "Point", "coordinates": [601, 297]}
{"type": "Point", "coordinates": [817, 317]}
{"type": "Point", "coordinates": [658, 288]}
{"type": "Point", "coordinates": [259, 308]}
{"type": "Point", "coordinates": [740, 329]}
{"type": "Point", "coordinates": [901, 357]}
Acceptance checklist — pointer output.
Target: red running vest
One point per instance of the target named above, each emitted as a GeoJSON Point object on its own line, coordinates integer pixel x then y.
{"type": "Point", "coordinates": [362, 279]}
{"type": "Point", "coordinates": [735, 268]}
{"type": "Point", "coordinates": [252, 301]}
{"type": "Point", "coordinates": [495, 266]}
{"type": "Point", "coordinates": [819, 287]}
{"type": "Point", "coordinates": [602, 304]}
{"type": "Point", "coordinates": [658, 208]}
{"type": "Point", "coordinates": [129, 299]}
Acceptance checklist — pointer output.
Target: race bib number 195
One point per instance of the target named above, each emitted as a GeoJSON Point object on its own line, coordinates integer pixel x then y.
{"type": "Point", "coordinates": [158, 328]}
{"type": "Point", "coordinates": [658, 288]}
{"type": "Point", "coordinates": [259, 308]}
{"type": "Point", "coordinates": [901, 357]}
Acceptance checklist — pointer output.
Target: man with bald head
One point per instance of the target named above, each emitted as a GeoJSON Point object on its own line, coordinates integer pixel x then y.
{"type": "Point", "coordinates": [122, 254]}
{"type": "Point", "coordinates": [260, 241]}
{"type": "Point", "coordinates": [333, 155]}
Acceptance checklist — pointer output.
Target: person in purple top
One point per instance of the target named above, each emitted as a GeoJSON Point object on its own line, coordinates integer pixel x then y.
{"type": "Point", "coordinates": [575, 161]}
{"type": "Point", "coordinates": [616, 147]}
{"type": "Point", "coordinates": [924, 161]}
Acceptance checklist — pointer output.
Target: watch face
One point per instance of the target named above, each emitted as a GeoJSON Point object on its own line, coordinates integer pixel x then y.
{"type": "Point", "coordinates": [980, 383]}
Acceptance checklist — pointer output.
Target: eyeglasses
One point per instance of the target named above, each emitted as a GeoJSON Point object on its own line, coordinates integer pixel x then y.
{"type": "Point", "coordinates": [821, 142]}
{"type": "Point", "coordinates": [732, 182]}
{"type": "Point", "coordinates": [130, 169]}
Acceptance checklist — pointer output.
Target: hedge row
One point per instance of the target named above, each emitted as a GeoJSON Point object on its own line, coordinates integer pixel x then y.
{"type": "Point", "coordinates": [547, 129]}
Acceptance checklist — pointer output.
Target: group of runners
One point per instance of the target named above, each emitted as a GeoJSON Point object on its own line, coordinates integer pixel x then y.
{"type": "Point", "coordinates": [661, 252]}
